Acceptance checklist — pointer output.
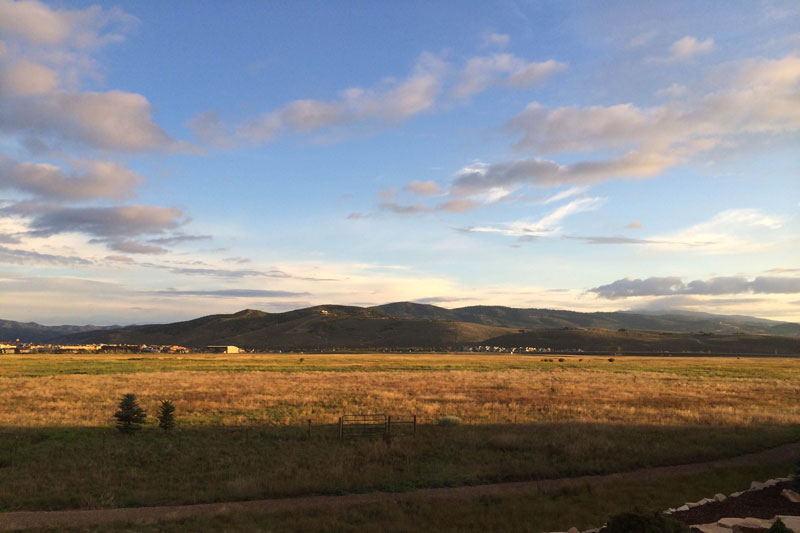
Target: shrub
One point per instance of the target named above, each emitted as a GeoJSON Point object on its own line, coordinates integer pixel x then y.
{"type": "Point", "coordinates": [561, 359]}
{"type": "Point", "coordinates": [779, 527]}
{"type": "Point", "coordinates": [611, 359]}
{"type": "Point", "coordinates": [166, 415]}
{"type": "Point", "coordinates": [645, 522]}
{"type": "Point", "coordinates": [130, 416]}
{"type": "Point", "coordinates": [448, 421]}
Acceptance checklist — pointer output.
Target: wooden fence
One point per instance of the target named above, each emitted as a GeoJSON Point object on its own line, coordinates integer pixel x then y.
{"type": "Point", "coordinates": [376, 424]}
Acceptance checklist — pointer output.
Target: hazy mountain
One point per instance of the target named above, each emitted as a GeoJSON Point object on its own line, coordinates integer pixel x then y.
{"type": "Point", "coordinates": [10, 331]}
{"type": "Point", "coordinates": [549, 318]}
{"type": "Point", "coordinates": [639, 341]}
{"type": "Point", "coordinates": [410, 325]}
{"type": "Point", "coordinates": [322, 327]}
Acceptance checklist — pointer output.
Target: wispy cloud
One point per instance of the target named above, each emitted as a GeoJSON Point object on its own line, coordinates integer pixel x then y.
{"type": "Point", "coordinates": [92, 180]}
{"type": "Point", "coordinates": [27, 257]}
{"type": "Point", "coordinates": [388, 102]}
{"type": "Point", "coordinates": [730, 231]}
{"type": "Point", "coordinates": [231, 293]}
{"type": "Point", "coordinates": [548, 225]}
{"type": "Point", "coordinates": [667, 286]}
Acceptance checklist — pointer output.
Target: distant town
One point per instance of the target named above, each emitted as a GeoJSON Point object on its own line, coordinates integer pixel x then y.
{"type": "Point", "coordinates": [29, 348]}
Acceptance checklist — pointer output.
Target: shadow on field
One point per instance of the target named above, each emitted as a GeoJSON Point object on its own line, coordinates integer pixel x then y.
{"type": "Point", "coordinates": [80, 467]}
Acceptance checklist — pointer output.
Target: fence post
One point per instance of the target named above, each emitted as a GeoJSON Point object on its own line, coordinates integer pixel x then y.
{"type": "Point", "coordinates": [415, 424]}
{"type": "Point", "coordinates": [341, 435]}
{"type": "Point", "coordinates": [309, 427]}
{"type": "Point", "coordinates": [389, 425]}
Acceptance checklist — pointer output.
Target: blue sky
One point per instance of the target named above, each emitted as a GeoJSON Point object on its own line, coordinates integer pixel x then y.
{"type": "Point", "coordinates": [164, 161]}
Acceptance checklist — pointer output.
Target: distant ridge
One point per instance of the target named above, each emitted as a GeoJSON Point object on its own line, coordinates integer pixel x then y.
{"type": "Point", "coordinates": [313, 328]}
{"type": "Point", "coordinates": [406, 325]}
{"type": "Point", "coordinates": [495, 315]}
{"type": "Point", "coordinates": [10, 331]}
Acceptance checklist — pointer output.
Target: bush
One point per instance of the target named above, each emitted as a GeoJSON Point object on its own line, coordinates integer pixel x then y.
{"type": "Point", "coordinates": [645, 522]}
{"type": "Point", "coordinates": [611, 359]}
{"type": "Point", "coordinates": [448, 421]}
{"type": "Point", "coordinates": [130, 416]}
{"type": "Point", "coordinates": [779, 527]}
{"type": "Point", "coordinates": [166, 415]}
{"type": "Point", "coordinates": [561, 359]}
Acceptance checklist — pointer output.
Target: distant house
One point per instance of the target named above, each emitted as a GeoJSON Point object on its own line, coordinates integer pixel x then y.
{"type": "Point", "coordinates": [174, 349]}
{"type": "Point", "coordinates": [224, 349]}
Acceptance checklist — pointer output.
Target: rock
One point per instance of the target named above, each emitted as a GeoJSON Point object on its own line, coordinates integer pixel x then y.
{"type": "Point", "coordinates": [719, 497]}
{"type": "Point", "coordinates": [595, 530]}
{"type": "Point", "coordinates": [573, 530]}
{"type": "Point", "coordinates": [705, 501]}
{"type": "Point", "coordinates": [735, 494]}
{"type": "Point", "coordinates": [757, 485]}
{"type": "Point", "coordinates": [791, 495]}
{"type": "Point", "coordinates": [771, 482]}
{"type": "Point", "coordinates": [792, 522]}
{"type": "Point", "coordinates": [746, 525]}
{"type": "Point", "coordinates": [692, 505]}
{"type": "Point", "coordinates": [711, 528]}
{"type": "Point", "coordinates": [682, 508]}
{"type": "Point", "coordinates": [670, 510]}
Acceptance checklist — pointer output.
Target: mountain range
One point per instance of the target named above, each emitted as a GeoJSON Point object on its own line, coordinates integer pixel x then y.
{"type": "Point", "coordinates": [407, 325]}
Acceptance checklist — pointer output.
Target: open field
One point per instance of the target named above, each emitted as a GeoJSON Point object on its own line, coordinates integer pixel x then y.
{"type": "Point", "coordinates": [584, 506]}
{"type": "Point", "coordinates": [241, 422]}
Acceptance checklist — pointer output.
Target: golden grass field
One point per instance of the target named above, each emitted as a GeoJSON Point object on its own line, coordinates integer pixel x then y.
{"type": "Point", "coordinates": [242, 418]}
{"type": "Point", "coordinates": [82, 390]}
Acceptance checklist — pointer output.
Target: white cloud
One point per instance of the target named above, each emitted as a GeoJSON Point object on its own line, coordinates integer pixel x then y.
{"type": "Point", "coordinates": [499, 40]}
{"type": "Point", "coordinates": [761, 99]}
{"type": "Point", "coordinates": [24, 78]}
{"type": "Point", "coordinates": [91, 180]}
{"type": "Point", "coordinates": [689, 47]}
{"type": "Point", "coordinates": [566, 193]}
{"type": "Point", "coordinates": [50, 53]}
{"type": "Point", "coordinates": [675, 90]}
{"type": "Point", "coordinates": [483, 71]}
{"type": "Point", "coordinates": [424, 188]}
{"type": "Point", "coordinates": [546, 226]}
{"type": "Point", "coordinates": [728, 232]}
{"type": "Point", "coordinates": [113, 120]}
{"type": "Point", "coordinates": [37, 24]}
{"type": "Point", "coordinates": [414, 95]}
{"type": "Point", "coordinates": [33, 22]}
{"type": "Point", "coordinates": [722, 285]}
{"type": "Point", "coordinates": [389, 102]}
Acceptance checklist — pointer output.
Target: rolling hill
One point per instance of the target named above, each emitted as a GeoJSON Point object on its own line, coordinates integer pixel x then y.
{"type": "Point", "coordinates": [321, 327]}
{"type": "Point", "coordinates": [549, 318]}
{"type": "Point", "coordinates": [641, 341]}
{"type": "Point", "coordinates": [37, 333]}
{"type": "Point", "coordinates": [409, 325]}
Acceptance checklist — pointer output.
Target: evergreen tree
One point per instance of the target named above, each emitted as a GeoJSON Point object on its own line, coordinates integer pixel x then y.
{"type": "Point", "coordinates": [130, 416]}
{"type": "Point", "coordinates": [166, 415]}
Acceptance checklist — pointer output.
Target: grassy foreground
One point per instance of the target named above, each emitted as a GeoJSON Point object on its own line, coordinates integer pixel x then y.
{"type": "Point", "coordinates": [241, 422]}
{"type": "Point", "coordinates": [583, 506]}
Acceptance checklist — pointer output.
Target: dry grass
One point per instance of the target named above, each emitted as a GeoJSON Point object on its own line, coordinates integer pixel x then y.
{"type": "Point", "coordinates": [582, 506]}
{"type": "Point", "coordinates": [675, 391]}
{"type": "Point", "coordinates": [240, 422]}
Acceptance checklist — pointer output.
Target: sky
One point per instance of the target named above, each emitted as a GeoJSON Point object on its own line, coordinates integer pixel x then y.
{"type": "Point", "coordinates": [164, 161]}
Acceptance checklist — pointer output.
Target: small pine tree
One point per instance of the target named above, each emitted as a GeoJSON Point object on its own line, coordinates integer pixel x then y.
{"type": "Point", "coordinates": [130, 416]}
{"type": "Point", "coordinates": [166, 415]}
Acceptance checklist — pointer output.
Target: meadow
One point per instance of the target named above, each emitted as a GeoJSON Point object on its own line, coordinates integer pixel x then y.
{"type": "Point", "coordinates": [242, 423]}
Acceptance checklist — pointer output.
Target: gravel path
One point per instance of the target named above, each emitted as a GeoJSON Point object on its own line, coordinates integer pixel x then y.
{"type": "Point", "coordinates": [76, 518]}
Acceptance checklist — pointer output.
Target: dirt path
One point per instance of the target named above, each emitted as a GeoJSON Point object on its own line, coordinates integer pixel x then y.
{"type": "Point", "coordinates": [77, 518]}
